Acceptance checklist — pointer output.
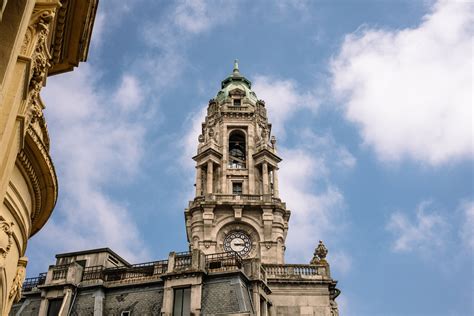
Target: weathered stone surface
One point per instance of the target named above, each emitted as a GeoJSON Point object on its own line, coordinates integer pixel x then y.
{"type": "Point", "coordinates": [83, 305]}
{"type": "Point", "coordinates": [138, 300]}
{"type": "Point", "coordinates": [30, 307]}
{"type": "Point", "coordinates": [225, 295]}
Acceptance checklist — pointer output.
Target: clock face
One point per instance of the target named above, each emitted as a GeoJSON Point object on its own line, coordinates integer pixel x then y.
{"type": "Point", "coordinates": [239, 242]}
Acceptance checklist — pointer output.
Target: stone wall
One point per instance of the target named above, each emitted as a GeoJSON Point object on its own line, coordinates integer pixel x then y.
{"type": "Point", "coordinates": [83, 305]}
{"type": "Point", "coordinates": [221, 296]}
{"type": "Point", "coordinates": [143, 300]}
{"type": "Point", "coordinates": [30, 307]}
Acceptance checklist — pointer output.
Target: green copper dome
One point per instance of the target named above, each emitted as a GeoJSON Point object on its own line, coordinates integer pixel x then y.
{"type": "Point", "coordinates": [236, 81]}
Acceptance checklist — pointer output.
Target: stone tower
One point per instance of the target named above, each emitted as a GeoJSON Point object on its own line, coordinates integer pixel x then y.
{"type": "Point", "coordinates": [237, 205]}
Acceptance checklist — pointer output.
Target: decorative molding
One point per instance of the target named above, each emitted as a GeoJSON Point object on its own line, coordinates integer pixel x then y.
{"type": "Point", "coordinates": [6, 239]}
{"type": "Point", "coordinates": [44, 151]}
{"type": "Point", "coordinates": [31, 173]}
{"type": "Point", "coordinates": [15, 290]}
{"type": "Point", "coordinates": [59, 31]}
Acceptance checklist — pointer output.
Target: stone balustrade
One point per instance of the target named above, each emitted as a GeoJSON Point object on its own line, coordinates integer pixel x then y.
{"type": "Point", "coordinates": [292, 271]}
{"type": "Point", "coordinates": [176, 263]}
{"type": "Point", "coordinates": [236, 198]}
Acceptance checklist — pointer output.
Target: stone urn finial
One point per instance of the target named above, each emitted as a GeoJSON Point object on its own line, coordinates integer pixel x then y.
{"type": "Point", "coordinates": [273, 141]}
{"type": "Point", "coordinates": [320, 253]}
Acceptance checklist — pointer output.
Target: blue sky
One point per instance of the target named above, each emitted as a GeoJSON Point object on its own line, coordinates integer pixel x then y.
{"type": "Point", "coordinates": [371, 103]}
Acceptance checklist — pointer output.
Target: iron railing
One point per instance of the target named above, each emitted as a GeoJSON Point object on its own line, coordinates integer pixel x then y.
{"type": "Point", "coordinates": [133, 272]}
{"type": "Point", "coordinates": [223, 261]}
{"type": "Point", "coordinates": [31, 283]}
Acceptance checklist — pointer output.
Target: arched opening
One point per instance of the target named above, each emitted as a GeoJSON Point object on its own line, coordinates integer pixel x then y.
{"type": "Point", "coordinates": [237, 150]}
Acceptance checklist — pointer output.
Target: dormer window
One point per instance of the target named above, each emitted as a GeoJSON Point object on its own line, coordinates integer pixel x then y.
{"type": "Point", "coordinates": [237, 102]}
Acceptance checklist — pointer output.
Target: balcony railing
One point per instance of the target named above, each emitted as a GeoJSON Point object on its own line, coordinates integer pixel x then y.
{"type": "Point", "coordinates": [225, 261]}
{"type": "Point", "coordinates": [93, 273]}
{"type": "Point", "coordinates": [31, 283]}
{"type": "Point", "coordinates": [293, 270]}
{"type": "Point", "coordinates": [135, 272]}
{"type": "Point", "coordinates": [231, 108]}
{"type": "Point", "coordinates": [60, 272]}
{"type": "Point", "coordinates": [182, 260]}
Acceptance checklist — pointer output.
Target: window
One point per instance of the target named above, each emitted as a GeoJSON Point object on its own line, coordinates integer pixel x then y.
{"type": "Point", "coordinates": [237, 150]}
{"type": "Point", "coordinates": [237, 102]}
{"type": "Point", "coordinates": [82, 263]}
{"type": "Point", "coordinates": [54, 305]}
{"type": "Point", "coordinates": [182, 302]}
{"type": "Point", "coordinates": [125, 313]}
{"type": "Point", "coordinates": [237, 188]}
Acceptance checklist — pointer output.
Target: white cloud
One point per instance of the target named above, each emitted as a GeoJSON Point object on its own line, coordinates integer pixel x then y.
{"type": "Point", "coordinates": [410, 90]}
{"type": "Point", "coordinates": [94, 145]}
{"type": "Point", "coordinates": [189, 142]}
{"type": "Point", "coordinates": [283, 99]}
{"type": "Point", "coordinates": [129, 94]}
{"type": "Point", "coordinates": [316, 205]}
{"type": "Point", "coordinates": [467, 230]}
{"type": "Point", "coordinates": [196, 16]}
{"type": "Point", "coordinates": [423, 233]}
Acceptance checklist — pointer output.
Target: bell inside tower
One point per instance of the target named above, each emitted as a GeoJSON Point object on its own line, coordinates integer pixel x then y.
{"type": "Point", "coordinates": [237, 156]}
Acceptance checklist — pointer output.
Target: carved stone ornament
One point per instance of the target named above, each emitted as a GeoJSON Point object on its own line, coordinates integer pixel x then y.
{"type": "Point", "coordinates": [40, 64]}
{"type": "Point", "coordinates": [273, 140]}
{"type": "Point", "coordinates": [201, 138]}
{"type": "Point", "coordinates": [321, 251]}
{"type": "Point", "coordinates": [6, 238]}
{"type": "Point", "coordinates": [334, 308]}
{"type": "Point", "coordinates": [15, 291]}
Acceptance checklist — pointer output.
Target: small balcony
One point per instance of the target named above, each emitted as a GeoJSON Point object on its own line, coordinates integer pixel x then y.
{"type": "Point", "coordinates": [296, 271]}
{"type": "Point", "coordinates": [236, 199]}
{"type": "Point", "coordinates": [32, 283]}
{"type": "Point", "coordinates": [222, 262]}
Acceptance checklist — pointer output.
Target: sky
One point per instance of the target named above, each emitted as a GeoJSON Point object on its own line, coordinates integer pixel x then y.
{"type": "Point", "coordinates": [371, 104]}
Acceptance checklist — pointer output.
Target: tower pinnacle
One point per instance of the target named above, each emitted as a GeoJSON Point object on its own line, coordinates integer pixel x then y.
{"type": "Point", "coordinates": [236, 67]}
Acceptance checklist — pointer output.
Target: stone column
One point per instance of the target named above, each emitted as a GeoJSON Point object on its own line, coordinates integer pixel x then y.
{"type": "Point", "coordinates": [198, 181]}
{"type": "Point", "coordinates": [43, 309]}
{"type": "Point", "coordinates": [196, 297]}
{"type": "Point", "coordinates": [99, 302]}
{"type": "Point", "coordinates": [209, 177]}
{"type": "Point", "coordinates": [265, 177]}
{"type": "Point", "coordinates": [276, 192]}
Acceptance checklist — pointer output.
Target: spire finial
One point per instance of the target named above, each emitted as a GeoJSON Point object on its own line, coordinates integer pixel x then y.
{"type": "Point", "coordinates": [236, 66]}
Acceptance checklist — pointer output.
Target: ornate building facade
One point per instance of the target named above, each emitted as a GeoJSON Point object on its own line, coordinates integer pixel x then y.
{"type": "Point", "coordinates": [38, 38]}
{"type": "Point", "coordinates": [236, 228]}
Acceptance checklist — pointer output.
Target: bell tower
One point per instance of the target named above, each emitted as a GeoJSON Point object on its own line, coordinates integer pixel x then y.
{"type": "Point", "coordinates": [237, 205]}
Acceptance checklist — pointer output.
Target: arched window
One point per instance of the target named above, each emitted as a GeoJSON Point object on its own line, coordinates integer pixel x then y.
{"type": "Point", "coordinates": [237, 155]}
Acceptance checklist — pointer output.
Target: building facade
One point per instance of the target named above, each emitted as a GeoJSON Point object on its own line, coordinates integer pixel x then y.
{"type": "Point", "coordinates": [38, 38]}
{"type": "Point", "coordinates": [236, 228]}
